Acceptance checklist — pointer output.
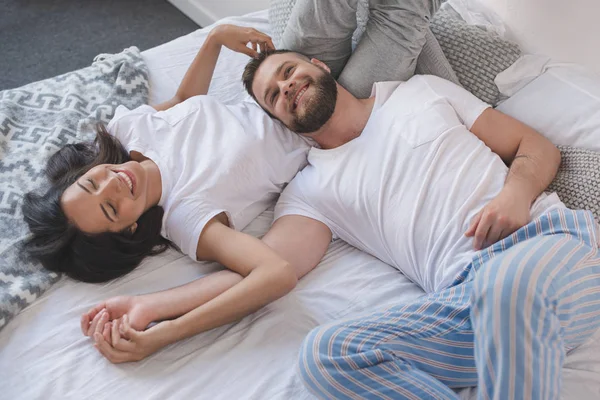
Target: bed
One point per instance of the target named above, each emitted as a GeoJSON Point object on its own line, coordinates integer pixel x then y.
{"type": "Point", "coordinates": [44, 355]}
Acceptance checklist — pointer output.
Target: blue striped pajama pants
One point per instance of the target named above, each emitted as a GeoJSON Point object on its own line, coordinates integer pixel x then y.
{"type": "Point", "coordinates": [504, 326]}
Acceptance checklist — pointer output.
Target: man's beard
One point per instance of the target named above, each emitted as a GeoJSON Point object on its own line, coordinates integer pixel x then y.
{"type": "Point", "coordinates": [319, 108]}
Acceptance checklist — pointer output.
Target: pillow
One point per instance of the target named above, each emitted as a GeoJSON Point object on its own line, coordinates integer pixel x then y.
{"type": "Point", "coordinates": [279, 15]}
{"type": "Point", "coordinates": [476, 55]}
{"type": "Point", "coordinates": [563, 104]}
{"type": "Point", "coordinates": [577, 182]}
{"type": "Point", "coordinates": [432, 60]}
{"type": "Point", "coordinates": [326, 30]}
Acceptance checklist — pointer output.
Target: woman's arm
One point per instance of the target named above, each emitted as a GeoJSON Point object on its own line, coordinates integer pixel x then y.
{"type": "Point", "coordinates": [167, 304]}
{"type": "Point", "coordinates": [197, 78]}
{"type": "Point", "coordinates": [300, 240]}
{"type": "Point", "coordinates": [267, 277]}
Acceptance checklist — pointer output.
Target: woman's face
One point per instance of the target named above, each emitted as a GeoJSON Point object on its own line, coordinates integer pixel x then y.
{"type": "Point", "coordinates": [107, 198]}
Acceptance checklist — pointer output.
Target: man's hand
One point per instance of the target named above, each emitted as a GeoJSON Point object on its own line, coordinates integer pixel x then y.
{"type": "Point", "coordinates": [115, 308]}
{"type": "Point", "coordinates": [236, 38]}
{"type": "Point", "coordinates": [118, 342]}
{"type": "Point", "coordinates": [499, 218]}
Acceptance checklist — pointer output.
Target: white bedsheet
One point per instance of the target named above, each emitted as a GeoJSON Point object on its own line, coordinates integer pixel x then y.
{"type": "Point", "coordinates": [44, 356]}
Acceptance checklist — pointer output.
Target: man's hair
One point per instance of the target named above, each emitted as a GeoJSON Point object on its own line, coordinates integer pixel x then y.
{"type": "Point", "coordinates": [60, 246]}
{"type": "Point", "coordinates": [254, 64]}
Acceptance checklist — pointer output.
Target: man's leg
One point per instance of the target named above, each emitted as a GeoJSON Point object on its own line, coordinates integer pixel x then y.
{"type": "Point", "coordinates": [533, 303]}
{"type": "Point", "coordinates": [414, 351]}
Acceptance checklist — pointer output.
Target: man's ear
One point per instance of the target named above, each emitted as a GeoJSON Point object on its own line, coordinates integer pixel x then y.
{"type": "Point", "coordinates": [320, 63]}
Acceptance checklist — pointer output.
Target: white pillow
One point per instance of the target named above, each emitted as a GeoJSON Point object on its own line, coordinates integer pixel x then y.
{"type": "Point", "coordinates": [563, 104]}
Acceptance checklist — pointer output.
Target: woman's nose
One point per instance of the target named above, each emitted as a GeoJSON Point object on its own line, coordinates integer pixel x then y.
{"type": "Point", "coordinates": [111, 185]}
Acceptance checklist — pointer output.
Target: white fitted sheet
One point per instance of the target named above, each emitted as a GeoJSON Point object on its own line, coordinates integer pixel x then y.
{"type": "Point", "coordinates": [43, 355]}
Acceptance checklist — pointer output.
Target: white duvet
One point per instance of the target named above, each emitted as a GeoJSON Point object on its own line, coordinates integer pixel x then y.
{"type": "Point", "coordinates": [43, 354]}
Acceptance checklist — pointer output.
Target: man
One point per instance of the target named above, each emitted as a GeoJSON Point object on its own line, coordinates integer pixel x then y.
{"type": "Point", "coordinates": [429, 179]}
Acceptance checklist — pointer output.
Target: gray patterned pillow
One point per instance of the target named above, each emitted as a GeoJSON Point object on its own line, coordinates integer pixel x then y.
{"type": "Point", "coordinates": [279, 15]}
{"type": "Point", "coordinates": [476, 56]}
{"type": "Point", "coordinates": [577, 182]}
{"type": "Point", "coordinates": [280, 11]}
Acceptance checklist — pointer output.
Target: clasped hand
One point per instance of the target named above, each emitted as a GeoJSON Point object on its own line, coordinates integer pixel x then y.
{"type": "Point", "coordinates": [117, 329]}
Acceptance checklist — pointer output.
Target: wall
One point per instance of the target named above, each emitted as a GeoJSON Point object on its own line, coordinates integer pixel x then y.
{"type": "Point", "coordinates": [205, 12]}
{"type": "Point", "coordinates": [567, 30]}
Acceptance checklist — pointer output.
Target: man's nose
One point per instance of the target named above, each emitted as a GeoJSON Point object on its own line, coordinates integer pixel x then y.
{"type": "Point", "coordinates": [288, 87]}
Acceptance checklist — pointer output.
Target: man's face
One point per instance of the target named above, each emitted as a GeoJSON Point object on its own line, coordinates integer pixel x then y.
{"type": "Point", "coordinates": [299, 93]}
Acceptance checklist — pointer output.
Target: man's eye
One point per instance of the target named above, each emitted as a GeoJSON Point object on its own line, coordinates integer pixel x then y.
{"type": "Point", "coordinates": [287, 71]}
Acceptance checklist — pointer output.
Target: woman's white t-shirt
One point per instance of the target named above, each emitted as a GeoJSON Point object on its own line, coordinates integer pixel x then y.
{"type": "Point", "coordinates": [212, 158]}
{"type": "Point", "coordinates": [407, 188]}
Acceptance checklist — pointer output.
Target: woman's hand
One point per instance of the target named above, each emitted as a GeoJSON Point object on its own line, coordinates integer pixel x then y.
{"type": "Point", "coordinates": [237, 38]}
{"type": "Point", "coordinates": [115, 308]}
{"type": "Point", "coordinates": [118, 342]}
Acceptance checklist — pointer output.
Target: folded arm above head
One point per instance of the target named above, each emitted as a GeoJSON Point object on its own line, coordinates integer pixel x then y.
{"type": "Point", "coordinates": [197, 78]}
{"type": "Point", "coordinates": [533, 162]}
{"type": "Point", "coordinates": [267, 276]}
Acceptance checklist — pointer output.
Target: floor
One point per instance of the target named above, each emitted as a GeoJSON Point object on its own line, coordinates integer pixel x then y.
{"type": "Point", "coordinates": [40, 38]}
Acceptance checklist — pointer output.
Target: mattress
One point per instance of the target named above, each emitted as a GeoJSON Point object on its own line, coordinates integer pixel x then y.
{"type": "Point", "coordinates": [43, 354]}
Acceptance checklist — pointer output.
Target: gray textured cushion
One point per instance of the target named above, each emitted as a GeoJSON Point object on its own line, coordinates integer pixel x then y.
{"type": "Point", "coordinates": [280, 11]}
{"type": "Point", "coordinates": [279, 15]}
{"type": "Point", "coordinates": [577, 182]}
{"type": "Point", "coordinates": [432, 60]}
{"type": "Point", "coordinates": [476, 56]}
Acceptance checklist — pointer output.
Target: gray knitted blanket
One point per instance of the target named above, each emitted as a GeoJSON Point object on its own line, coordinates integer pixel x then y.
{"type": "Point", "coordinates": [35, 121]}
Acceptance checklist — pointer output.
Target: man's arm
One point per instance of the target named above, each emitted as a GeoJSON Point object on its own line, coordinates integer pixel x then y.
{"type": "Point", "coordinates": [298, 244]}
{"type": "Point", "coordinates": [299, 240]}
{"type": "Point", "coordinates": [533, 162]}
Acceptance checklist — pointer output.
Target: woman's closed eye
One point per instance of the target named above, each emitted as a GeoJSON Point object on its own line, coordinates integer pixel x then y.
{"type": "Point", "coordinates": [114, 210]}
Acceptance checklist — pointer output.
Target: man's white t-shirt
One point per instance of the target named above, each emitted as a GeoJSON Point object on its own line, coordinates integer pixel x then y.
{"type": "Point", "coordinates": [407, 188]}
{"type": "Point", "coordinates": [212, 158]}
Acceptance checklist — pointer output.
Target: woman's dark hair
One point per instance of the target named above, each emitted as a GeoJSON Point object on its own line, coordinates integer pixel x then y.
{"type": "Point", "coordinates": [62, 247]}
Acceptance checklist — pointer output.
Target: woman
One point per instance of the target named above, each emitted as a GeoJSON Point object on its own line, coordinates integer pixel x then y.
{"type": "Point", "coordinates": [192, 170]}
